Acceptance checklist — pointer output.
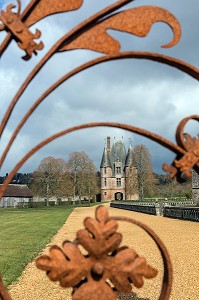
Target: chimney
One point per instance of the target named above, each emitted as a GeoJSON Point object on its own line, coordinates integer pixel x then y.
{"type": "Point", "coordinates": [108, 144]}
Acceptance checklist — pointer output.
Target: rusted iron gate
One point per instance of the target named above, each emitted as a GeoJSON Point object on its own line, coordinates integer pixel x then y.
{"type": "Point", "coordinates": [88, 275]}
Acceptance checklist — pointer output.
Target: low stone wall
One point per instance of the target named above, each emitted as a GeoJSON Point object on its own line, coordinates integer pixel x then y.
{"type": "Point", "coordinates": [184, 213]}
{"type": "Point", "coordinates": [128, 206]}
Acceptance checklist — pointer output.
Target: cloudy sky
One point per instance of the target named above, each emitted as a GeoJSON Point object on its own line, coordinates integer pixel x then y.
{"type": "Point", "coordinates": [140, 93]}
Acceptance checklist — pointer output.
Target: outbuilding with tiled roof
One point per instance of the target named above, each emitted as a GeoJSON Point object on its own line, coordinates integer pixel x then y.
{"type": "Point", "coordinates": [14, 194]}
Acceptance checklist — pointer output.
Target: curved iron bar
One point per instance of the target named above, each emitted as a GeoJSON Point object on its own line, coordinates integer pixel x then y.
{"type": "Point", "coordinates": [181, 149]}
{"type": "Point", "coordinates": [19, 7]}
{"type": "Point", "coordinates": [98, 261]}
{"type": "Point", "coordinates": [67, 38]}
{"type": "Point", "coordinates": [168, 272]}
{"type": "Point", "coordinates": [4, 295]}
{"type": "Point", "coordinates": [173, 62]}
{"type": "Point", "coordinates": [152, 136]}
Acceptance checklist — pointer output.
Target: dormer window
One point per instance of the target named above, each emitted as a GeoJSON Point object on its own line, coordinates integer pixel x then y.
{"type": "Point", "coordinates": [118, 170]}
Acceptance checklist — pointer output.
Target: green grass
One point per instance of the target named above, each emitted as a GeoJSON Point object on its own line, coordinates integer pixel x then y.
{"type": "Point", "coordinates": [25, 232]}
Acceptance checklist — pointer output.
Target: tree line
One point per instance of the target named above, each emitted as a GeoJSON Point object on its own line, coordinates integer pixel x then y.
{"type": "Point", "coordinates": [79, 177]}
{"type": "Point", "coordinates": [74, 178]}
{"type": "Point", "coordinates": [158, 185]}
{"type": "Point", "coordinates": [150, 184]}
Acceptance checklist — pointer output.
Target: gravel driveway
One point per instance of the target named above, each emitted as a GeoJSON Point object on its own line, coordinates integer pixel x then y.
{"type": "Point", "coordinates": [180, 237]}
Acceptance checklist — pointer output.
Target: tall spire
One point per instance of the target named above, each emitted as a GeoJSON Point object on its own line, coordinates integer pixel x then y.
{"type": "Point", "coordinates": [129, 159]}
{"type": "Point", "coordinates": [105, 162]}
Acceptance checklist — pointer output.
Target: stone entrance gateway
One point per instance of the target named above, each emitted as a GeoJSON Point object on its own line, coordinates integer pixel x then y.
{"type": "Point", "coordinates": [118, 196]}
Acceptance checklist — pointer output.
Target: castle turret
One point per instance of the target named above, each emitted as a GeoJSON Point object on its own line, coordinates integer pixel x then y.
{"type": "Point", "coordinates": [116, 170]}
{"type": "Point", "coordinates": [105, 162]}
{"type": "Point", "coordinates": [131, 179]}
{"type": "Point", "coordinates": [106, 172]}
{"type": "Point", "coordinates": [129, 157]}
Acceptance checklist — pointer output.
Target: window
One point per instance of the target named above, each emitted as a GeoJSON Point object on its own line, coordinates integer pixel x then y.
{"type": "Point", "coordinates": [118, 181]}
{"type": "Point", "coordinates": [105, 182]}
{"type": "Point", "coordinates": [104, 170]}
{"type": "Point", "coordinates": [105, 193]}
{"type": "Point", "coordinates": [118, 170]}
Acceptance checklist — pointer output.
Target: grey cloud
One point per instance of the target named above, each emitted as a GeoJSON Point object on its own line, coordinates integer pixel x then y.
{"type": "Point", "coordinates": [138, 92]}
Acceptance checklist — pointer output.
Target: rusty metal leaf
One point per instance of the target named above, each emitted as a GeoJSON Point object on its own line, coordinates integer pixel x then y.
{"type": "Point", "coordinates": [48, 7]}
{"type": "Point", "coordinates": [21, 33]}
{"type": "Point", "coordinates": [101, 214]}
{"type": "Point", "coordinates": [89, 274]}
{"type": "Point", "coordinates": [64, 265]}
{"type": "Point", "coordinates": [99, 238]}
{"type": "Point", "coordinates": [130, 268]}
{"type": "Point", "coordinates": [94, 290]}
{"type": "Point", "coordinates": [137, 21]}
{"type": "Point", "coordinates": [190, 158]}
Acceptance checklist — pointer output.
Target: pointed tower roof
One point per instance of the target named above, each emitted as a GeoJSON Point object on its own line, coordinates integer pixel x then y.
{"type": "Point", "coordinates": [130, 157]}
{"type": "Point", "coordinates": [118, 152]}
{"type": "Point", "coordinates": [105, 162]}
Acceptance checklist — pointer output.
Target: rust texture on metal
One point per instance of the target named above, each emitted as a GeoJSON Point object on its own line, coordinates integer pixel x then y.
{"type": "Point", "coordinates": [137, 21]}
{"type": "Point", "coordinates": [15, 24]}
{"type": "Point", "coordinates": [105, 260]}
{"type": "Point", "coordinates": [4, 295]}
{"type": "Point", "coordinates": [20, 32]}
{"type": "Point", "coordinates": [190, 159]}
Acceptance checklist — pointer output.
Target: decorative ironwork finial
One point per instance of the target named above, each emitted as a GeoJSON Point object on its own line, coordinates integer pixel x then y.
{"type": "Point", "coordinates": [105, 261]}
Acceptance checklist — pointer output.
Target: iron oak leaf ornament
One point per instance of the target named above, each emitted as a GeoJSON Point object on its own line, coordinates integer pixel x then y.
{"type": "Point", "coordinates": [105, 260]}
{"type": "Point", "coordinates": [190, 146]}
{"type": "Point", "coordinates": [18, 24]}
{"type": "Point", "coordinates": [137, 21]}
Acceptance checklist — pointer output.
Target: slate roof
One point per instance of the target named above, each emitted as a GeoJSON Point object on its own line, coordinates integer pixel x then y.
{"type": "Point", "coordinates": [18, 191]}
{"type": "Point", "coordinates": [105, 159]}
{"type": "Point", "coordinates": [130, 157]}
{"type": "Point", "coordinates": [118, 152]}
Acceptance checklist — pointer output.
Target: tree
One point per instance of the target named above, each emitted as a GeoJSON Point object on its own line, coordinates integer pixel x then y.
{"type": "Point", "coordinates": [49, 178]}
{"type": "Point", "coordinates": [170, 188]}
{"type": "Point", "coordinates": [131, 183]}
{"type": "Point", "coordinates": [76, 177]}
{"type": "Point", "coordinates": [146, 179]}
{"type": "Point", "coordinates": [83, 174]}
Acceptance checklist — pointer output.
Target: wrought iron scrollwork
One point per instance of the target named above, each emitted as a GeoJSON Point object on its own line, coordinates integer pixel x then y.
{"type": "Point", "coordinates": [17, 24]}
{"type": "Point", "coordinates": [106, 260]}
{"type": "Point", "coordinates": [190, 158]}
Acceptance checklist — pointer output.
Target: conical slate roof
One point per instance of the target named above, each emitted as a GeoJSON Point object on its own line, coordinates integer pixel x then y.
{"type": "Point", "coordinates": [105, 162]}
{"type": "Point", "coordinates": [130, 157]}
{"type": "Point", "coordinates": [118, 152]}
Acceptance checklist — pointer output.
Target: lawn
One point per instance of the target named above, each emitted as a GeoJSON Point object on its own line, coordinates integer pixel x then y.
{"type": "Point", "coordinates": [23, 233]}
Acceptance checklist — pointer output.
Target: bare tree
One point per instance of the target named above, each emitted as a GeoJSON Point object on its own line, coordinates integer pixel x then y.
{"type": "Point", "coordinates": [131, 183]}
{"type": "Point", "coordinates": [76, 177]}
{"type": "Point", "coordinates": [170, 188]}
{"type": "Point", "coordinates": [83, 174]}
{"type": "Point", "coordinates": [50, 177]}
{"type": "Point", "coordinates": [146, 179]}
